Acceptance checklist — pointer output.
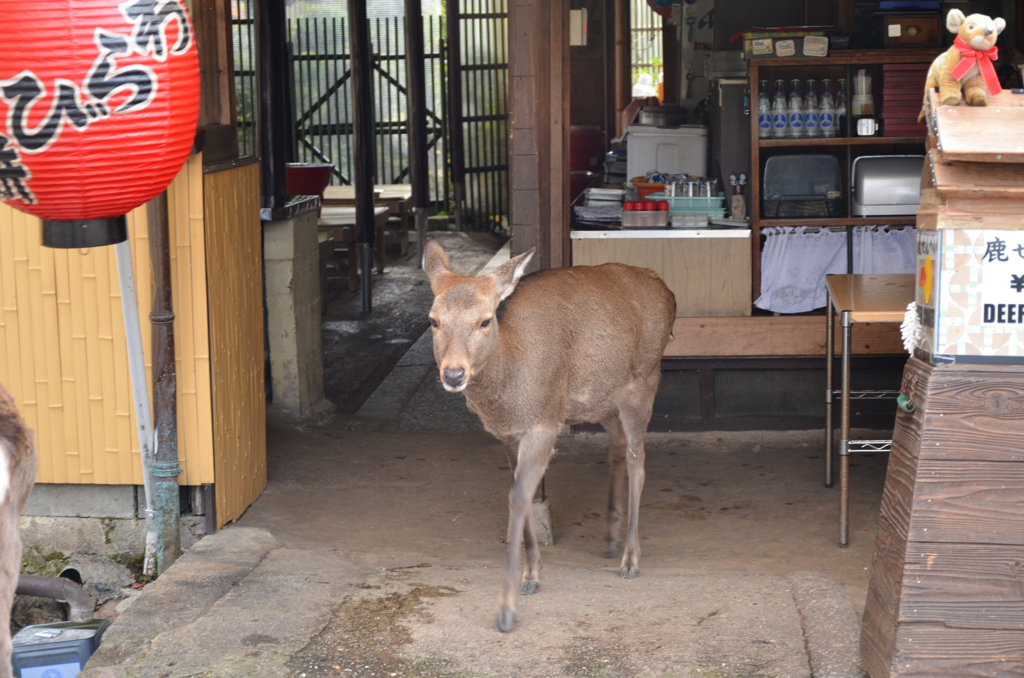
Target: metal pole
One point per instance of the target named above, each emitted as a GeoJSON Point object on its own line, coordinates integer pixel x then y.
{"type": "Point", "coordinates": [844, 434]}
{"type": "Point", "coordinates": [455, 107]}
{"type": "Point", "coordinates": [274, 100]}
{"type": "Point", "coordinates": [362, 142]}
{"type": "Point", "coordinates": [416, 84]}
{"type": "Point", "coordinates": [165, 471]}
{"type": "Point", "coordinates": [830, 338]}
{"type": "Point", "coordinates": [140, 392]}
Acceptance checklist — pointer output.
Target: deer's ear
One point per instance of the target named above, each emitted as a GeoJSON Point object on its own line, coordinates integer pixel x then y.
{"type": "Point", "coordinates": [508, 274]}
{"type": "Point", "coordinates": [435, 264]}
{"type": "Point", "coordinates": [954, 19]}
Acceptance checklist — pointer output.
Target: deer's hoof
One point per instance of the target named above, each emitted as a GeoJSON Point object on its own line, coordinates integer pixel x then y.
{"type": "Point", "coordinates": [611, 548]}
{"type": "Point", "coordinates": [506, 620]}
{"type": "Point", "coordinates": [629, 571]}
{"type": "Point", "coordinates": [529, 587]}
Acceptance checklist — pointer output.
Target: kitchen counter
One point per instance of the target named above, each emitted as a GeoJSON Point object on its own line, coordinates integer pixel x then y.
{"type": "Point", "coordinates": [708, 269]}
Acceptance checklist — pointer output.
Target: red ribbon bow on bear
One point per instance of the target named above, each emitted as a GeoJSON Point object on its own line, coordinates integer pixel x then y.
{"type": "Point", "coordinates": [984, 60]}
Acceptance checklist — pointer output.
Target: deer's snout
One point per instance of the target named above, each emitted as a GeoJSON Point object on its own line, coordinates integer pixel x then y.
{"type": "Point", "coordinates": [454, 378]}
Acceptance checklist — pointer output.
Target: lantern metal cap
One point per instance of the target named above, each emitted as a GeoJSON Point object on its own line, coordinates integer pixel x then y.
{"type": "Point", "coordinates": [80, 233]}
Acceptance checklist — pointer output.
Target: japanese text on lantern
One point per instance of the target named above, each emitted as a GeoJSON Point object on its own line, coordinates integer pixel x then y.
{"type": "Point", "coordinates": [78, 106]}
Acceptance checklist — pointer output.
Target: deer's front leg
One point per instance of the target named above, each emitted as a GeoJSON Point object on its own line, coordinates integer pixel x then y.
{"type": "Point", "coordinates": [535, 449]}
{"type": "Point", "coordinates": [531, 574]}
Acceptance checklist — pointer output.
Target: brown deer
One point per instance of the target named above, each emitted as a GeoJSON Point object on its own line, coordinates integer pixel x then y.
{"type": "Point", "coordinates": [572, 345]}
{"type": "Point", "coordinates": [17, 475]}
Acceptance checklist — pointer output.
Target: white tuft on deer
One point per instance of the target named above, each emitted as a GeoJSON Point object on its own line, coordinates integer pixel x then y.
{"type": "Point", "coordinates": [17, 475]}
{"type": "Point", "coordinates": [572, 345]}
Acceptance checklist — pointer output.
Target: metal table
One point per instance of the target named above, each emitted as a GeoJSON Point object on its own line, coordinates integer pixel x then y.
{"type": "Point", "coordinates": [858, 298]}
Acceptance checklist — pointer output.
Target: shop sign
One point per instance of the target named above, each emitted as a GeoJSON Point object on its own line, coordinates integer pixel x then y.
{"type": "Point", "coordinates": [970, 295]}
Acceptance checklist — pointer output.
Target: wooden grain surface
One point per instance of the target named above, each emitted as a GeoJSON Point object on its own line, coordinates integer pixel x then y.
{"type": "Point", "coordinates": [775, 336]}
{"type": "Point", "coordinates": [964, 586]}
{"type": "Point", "coordinates": [934, 651]}
{"type": "Point", "coordinates": [968, 180]}
{"type": "Point", "coordinates": [946, 591]}
{"type": "Point", "coordinates": [968, 502]}
{"type": "Point", "coordinates": [872, 297]}
{"type": "Point", "coordinates": [990, 134]}
{"type": "Point", "coordinates": [235, 275]}
{"type": "Point", "coordinates": [709, 276]}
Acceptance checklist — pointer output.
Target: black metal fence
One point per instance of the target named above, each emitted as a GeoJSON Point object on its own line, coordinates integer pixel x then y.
{"type": "Point", "coordinates": [322, 98]}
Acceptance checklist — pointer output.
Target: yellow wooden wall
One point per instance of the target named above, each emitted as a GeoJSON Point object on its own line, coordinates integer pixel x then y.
{"type": "Point", "coordinates": [63, 354]}
{"type": "Point", "coordinates": [234, 271]}
{"type": "Point", "coordinates": [62, 345]}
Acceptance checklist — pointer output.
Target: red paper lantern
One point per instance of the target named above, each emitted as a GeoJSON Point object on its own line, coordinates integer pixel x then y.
{"type": "Point", "coordinates": [99, 101]}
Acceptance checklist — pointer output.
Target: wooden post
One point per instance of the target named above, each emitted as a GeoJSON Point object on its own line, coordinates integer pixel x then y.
{"type": "Point", "coordinates": [539, 130]}
{"type": "Point", "coordinates": [416, 85]}
{"type": "Point", "coordinates": [623, 62]}
{"type": "Point", "coordinates": [362, 144]}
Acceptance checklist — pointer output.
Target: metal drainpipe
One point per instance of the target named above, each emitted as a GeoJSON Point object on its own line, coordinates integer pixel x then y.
{"type": "Point", "coordinates": [58, 588]}
{"type": "Point", "coordinates": [165, 470]}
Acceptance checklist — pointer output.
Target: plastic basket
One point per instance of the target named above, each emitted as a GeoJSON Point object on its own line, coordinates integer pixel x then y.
{"type": "Point", "coordinates": [703, 205]}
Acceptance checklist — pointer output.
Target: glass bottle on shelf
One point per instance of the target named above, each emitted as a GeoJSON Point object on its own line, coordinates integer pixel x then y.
{"type": "Point", "coordinates": [840, 109]}
{"type": "Point", "coordinates": [796, 113]}
{"type": "Point", "coordinates": [826, 110]}
{"type": "Point", "coordinates": [764, 111]}
{"type": "Point", "coordinates": [811, 128]}
{"type": "Point", "coordinates": [779, 120]}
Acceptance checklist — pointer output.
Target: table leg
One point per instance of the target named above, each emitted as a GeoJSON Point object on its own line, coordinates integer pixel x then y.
{"type": "Point", "coordinates": [844, 434]}
{"type": "Point", "coordinates": [421, 232]}
{"type": "Point", "coordinates": [379, 247]}
{"type": "Point", "coordinates": [830, 338]}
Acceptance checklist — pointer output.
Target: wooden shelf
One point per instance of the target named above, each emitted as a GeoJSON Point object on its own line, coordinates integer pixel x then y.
{"type": "Point", "coordinates": [848, 147]}
{"type": "Point", "coordinates": [838, 141]}
{"type": "Point", "coordinates": [850, 221]}
{"type": "Point", "coordinates": [866, 57]}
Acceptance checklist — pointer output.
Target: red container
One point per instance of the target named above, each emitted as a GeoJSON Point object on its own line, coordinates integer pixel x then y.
{"type": "Point", "coordinates": [306, 178]}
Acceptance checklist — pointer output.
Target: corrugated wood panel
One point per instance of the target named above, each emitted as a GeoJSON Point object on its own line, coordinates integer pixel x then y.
{"type": "Point", "coordinates": [63, 353]}
{"type": "Point", "coordinates": [234, 274]}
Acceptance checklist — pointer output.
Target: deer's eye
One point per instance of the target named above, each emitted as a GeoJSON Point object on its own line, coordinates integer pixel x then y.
{"type": "Point", "coordinates": [485, 323]}
{"type": "Point", "coordinates": [433, 323]}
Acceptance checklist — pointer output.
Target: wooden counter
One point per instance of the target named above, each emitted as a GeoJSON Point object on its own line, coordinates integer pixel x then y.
{"type": "Point", "coordinates": [707, 269]}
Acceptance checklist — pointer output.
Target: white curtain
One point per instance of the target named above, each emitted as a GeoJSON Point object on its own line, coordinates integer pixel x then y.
{"type": "Point", "coordinates": [795, 261]}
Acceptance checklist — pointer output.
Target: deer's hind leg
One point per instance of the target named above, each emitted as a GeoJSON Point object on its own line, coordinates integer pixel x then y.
{"type": "Point", "coordinates": [618, 488]}
{"type": "Point", "coordinates": [634, 416]}
{"type": "Point", "coordinates": [531, 573]}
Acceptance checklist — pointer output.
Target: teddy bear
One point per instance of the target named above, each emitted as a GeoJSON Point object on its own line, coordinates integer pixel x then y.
{"type": "Point", "coordinates": [968, 63]}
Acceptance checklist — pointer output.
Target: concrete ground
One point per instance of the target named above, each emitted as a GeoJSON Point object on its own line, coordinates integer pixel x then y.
{"type": "Point", "coordinates": [377, 550]}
